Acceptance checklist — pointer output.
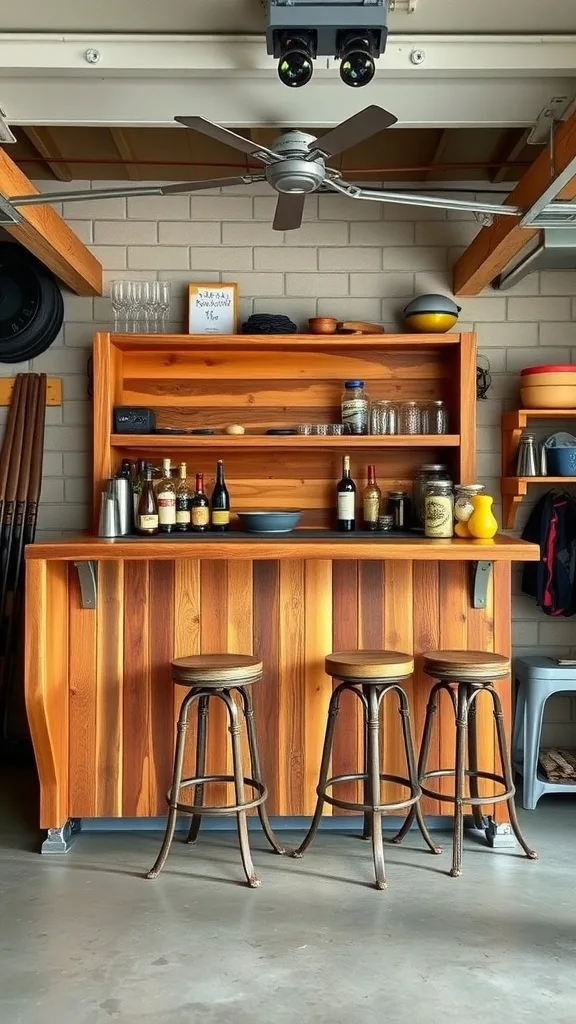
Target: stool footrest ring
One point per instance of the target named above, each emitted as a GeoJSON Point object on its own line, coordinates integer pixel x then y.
{"type": "Point", "coordinates": [201, 780]}
{"type": "Point", "coordinates": [472, 801]}
{"type": "Point", "coordinates": [362, 776]}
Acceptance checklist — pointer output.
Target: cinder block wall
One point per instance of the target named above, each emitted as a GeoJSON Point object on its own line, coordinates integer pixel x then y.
{"type": "Point", "coordinates": [352, 260]}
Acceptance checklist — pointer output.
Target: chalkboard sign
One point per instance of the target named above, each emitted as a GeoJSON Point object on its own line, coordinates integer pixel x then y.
{"type": "Point", "coordinates": [213, 309]}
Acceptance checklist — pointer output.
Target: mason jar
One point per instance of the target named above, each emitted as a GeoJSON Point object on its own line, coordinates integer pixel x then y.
{"type": "Point", "coordinates": [425, 474]}
{"type": "Point", "coordinates": [463, 507]}
{"type": "Point", "coordinates": [439, 509]}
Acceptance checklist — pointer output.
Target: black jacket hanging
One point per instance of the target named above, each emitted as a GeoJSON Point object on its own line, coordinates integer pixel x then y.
{"type": "Point", "coordinates": [552, 580]}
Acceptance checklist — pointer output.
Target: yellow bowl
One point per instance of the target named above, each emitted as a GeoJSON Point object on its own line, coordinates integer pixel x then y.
{"type": "Point", "coordinates": [555, 396]}
{"type": "Point", "coordinates": [552, 379]}
{"type": "Point", "coordinates": [431, 323]}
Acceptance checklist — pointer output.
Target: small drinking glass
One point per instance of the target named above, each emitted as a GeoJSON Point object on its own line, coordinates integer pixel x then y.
{"type": "Point", "coordinates": [336, 429]}
{"type": "Point", "coordinates": [320, 429]}
{"type": "Point", "coordinates": [435, 418]}
{"type": "Point", "coordinates": [305, 428]}
{"type": "Point", "coordinates": [383, 418]}
{"type": "Point", "coordinates": [410, 418]}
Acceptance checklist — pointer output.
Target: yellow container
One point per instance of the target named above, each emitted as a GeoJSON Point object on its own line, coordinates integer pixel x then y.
{"type": "Point", "coordinates": [431, 323]}
{"type": "Point", "coordinates": [553, 396]}
{"type": "Point", "coordinates": [482, 523]}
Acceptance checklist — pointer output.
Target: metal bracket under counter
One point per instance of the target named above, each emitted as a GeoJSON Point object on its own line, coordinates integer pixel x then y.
{"type": "Point", "coordinates": [88, 580]}
{"type": "Point", "coordinates": [480, 577]}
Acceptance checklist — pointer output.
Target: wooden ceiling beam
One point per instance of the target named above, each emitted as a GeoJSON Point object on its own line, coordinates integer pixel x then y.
{"type": "Point", "coordinates": [126, 152]}
{"type": "Point", "coordinates": [494, 247]}
{"type": "Point", "coordinates": [45, 234]}
{"type": "Point", "coordinates": [514, 144]}
{"type": "Point", "coordinates": [438, 154]}
{"type": "Point", "coordinates": [43, 142]}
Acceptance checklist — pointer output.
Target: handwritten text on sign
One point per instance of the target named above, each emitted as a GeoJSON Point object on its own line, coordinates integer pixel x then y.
{"type": "Point", "coordinates": [212, 309]}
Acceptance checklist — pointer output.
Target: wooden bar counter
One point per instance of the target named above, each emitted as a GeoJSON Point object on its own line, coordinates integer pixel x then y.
{"type": "Point", "coordinates": [100, 701]}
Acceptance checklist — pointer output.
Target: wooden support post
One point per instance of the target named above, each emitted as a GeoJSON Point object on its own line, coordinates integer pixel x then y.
{"type": "Point", "coordinates": [496, 246]}
{"type": "Point", "coordinates": [45, 234]}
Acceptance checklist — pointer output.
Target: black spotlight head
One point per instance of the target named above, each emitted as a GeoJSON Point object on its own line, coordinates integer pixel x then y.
{"type": "Point", "coordinates": [295, 66]}
{"type": "Point", "coordinates": [357, 67]}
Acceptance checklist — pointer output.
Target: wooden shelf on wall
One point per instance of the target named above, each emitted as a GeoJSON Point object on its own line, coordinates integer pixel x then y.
{"type": "Point", "coordinates": [515, 488]}
{"type": "Point", "coordinates": [53, 390]}
{"type": "Point", "coordinates": [229, 442]}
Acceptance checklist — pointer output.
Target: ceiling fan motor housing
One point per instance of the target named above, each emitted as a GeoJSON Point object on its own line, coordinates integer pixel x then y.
{"type": "Point", "coordinates": [295, 173]}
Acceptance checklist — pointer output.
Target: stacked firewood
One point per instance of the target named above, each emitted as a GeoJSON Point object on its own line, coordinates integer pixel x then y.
{"type": "Point", "coordinates": [20, 481]}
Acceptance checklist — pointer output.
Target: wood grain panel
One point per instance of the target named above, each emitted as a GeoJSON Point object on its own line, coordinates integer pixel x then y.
{"type": "Point", "coordinates": [454, 604]}
{"type": "Point", "coordinates": [109, 689]}
{"type": "Point", "coordinates": [213, 640]}
{"type": "Point", "coordinates": [136, 691]}
{"type": "Point", "coordinates": [481, 638]}
{"type": "Point", "coordinates": [398, 636]}
{"type": "Point", "coordinates": [186, 642]}
{"type": "Point", "coordinates": [83, 683]}
{"type": "Point", "coordinates": [161, 632]}
{"type": "Point", "coordinates": [292, 692]}
{"type": "Point", "coordinates": [426, 589]}
{"type": "Point", "coordinates": [318, 638]}
{"type": "Point", "coordinates": [239, 640]}
{"type": "Point", "coordinates": [348, 744]}
{"type": "Point", "coordinates": [266, 584]}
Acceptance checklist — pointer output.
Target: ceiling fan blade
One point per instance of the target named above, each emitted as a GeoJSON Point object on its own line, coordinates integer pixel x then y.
{"type": "Point", "coordinates": [360, 126]}
{"type": "Point", "coordinates": [196, 186]}
{"type": "Point", "coordinates": [216, 131]}
{"type": "Point", "coordinates": [44, 198]}
{"type": "Point", "coordinates": [289, 210]}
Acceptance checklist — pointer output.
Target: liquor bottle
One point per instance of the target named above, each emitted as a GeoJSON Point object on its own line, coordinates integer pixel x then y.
{"type": "Point", "coordinates": [200, 507]}
{"type": "Point", "coordinates": [166, 495]}
{"type": "Point", "coordinates": [183, 500]}
{"type": "Point", "coordinates": [371, 501]}
{"type": "Point", "coordinates": [137, 485]}
{"type": "Point", "coordinates": [220, 502]}
{"type": "Point", "coordinates": [147, 515]}
{"type": "Point", "coordinates": [126, 469]}
{"type": "Point", "coordinates": [346, 493]}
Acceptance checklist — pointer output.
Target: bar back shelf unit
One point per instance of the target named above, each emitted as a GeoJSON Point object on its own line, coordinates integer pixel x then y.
{"type": "Point", "coordinates": [515, 488]}
{"type": "Point", "coordinates": [278, 381]}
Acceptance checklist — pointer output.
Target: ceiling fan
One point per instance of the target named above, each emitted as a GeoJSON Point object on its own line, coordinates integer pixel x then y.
{"type": "Point", "coordinates": [295, 166]}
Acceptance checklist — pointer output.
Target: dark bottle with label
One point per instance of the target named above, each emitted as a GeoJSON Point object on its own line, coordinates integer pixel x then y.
{"type": "Point", "coordinates": [126, 469]}
{"type": "Point", "coordinates": [147, 516]}
{"type": "Point", "coordinates": [220, 503]}
{"type": "Point", "coordinates": [200, 507]}
{"type": "Point", "coordinates": [346, 495]}
{"type": "Point", "coordinates": [137, 485]}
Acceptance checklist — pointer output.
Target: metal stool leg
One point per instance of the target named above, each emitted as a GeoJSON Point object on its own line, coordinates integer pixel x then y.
{"type": "Point", "coordinates": [367, 828]}
{"type": "Point", "coordinates": [200, 766]}
{"type": "Point", "coordinates": [507, 772]}
{"type": "Point", "coordinates": [333, 709]}
{"type": "Point", "coordinates": [460, 779]}
{"type": "Point", "coordinates": [373, 769]}
{"type": "Point", "coordinates": [253, 880]}
{"type": "Point", "coordinates": [174, 790]}
{"type": "Point", "coordinates": [255, 767]}
{"type": "Point", "coordinates": [477, 815]}
{"type": "Point", "coordinates": [412, 771]}
{"type": "Point", "coordinates": [431, 710]}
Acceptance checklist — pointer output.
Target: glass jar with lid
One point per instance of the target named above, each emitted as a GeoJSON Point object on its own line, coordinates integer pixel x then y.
{"type": "Point", "coordinates": [410, 418]}
{"type": "Point", "coordinates": [439, 509]}
{"type": "Point", "coordinates": [435, 418]}
{"type": "Point", "coordinates": [463, 507]}
{"type": "Point", "coordinates": [425, 474]}
{"type": "Point", "coordinates": [355, 407]}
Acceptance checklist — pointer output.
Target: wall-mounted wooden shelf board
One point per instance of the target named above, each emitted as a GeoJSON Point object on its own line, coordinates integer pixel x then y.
{"type": "Point", "coordinates": [515, 488]}
{"type": "Point", "coordinates": [237, 442]}
{"type": "Point", "coordinates": [53, 390]}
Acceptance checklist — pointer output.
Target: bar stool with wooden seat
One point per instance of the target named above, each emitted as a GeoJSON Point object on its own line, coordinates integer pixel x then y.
{"type": "Point", "coordinates": [463, 675]}
{"type": "Point", "coordinates": [370, 675]}
{"type": "Point", "coordinates": [216, 676]}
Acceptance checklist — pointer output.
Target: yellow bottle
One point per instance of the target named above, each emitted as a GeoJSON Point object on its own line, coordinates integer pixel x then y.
{"type": "Point", "coordinates": [482, 523]}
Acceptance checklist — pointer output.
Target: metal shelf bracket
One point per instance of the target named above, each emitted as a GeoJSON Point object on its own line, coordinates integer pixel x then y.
{"type": "Point", "coordinates": [480, 579]}
{"type": "Point", "coordinates": [88, 580]}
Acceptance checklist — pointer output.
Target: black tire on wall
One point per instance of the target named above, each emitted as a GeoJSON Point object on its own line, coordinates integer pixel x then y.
{"type": "Point", "coordinates": [31, 305]}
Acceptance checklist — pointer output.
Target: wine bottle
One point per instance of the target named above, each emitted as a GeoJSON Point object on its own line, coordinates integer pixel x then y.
{"type": "Point", "coordinates": [183, 500]}
{"type": "Point", "coordinates": [200, 507]}
{"type": "Point", "coordinates": [137, 485]}
{"type": "Point", "coordinates": [371, 501]}
{"type": "Point", "coordinates": [220, 502]}
{"type": "Point", "coordinates": [346, 494]}
{"type": "Point", "coordinates": [147, 514]}
{"type": "Point", "coordinates": [166, 495]}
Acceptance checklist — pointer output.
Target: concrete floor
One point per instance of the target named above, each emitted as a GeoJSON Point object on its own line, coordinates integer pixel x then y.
{"type": "Point", "coordinates": [85, 939]}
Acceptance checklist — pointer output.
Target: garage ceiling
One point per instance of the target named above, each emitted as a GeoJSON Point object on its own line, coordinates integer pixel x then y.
{"type": "Point", "coordinates": [247, 16]}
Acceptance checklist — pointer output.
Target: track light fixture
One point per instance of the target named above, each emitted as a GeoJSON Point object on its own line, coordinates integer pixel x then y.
{"type": "Point", "coordinates": [357, 67]}
{"type": "Point", "coordinates": [295, 66]}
